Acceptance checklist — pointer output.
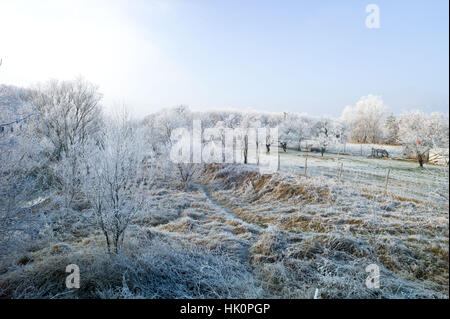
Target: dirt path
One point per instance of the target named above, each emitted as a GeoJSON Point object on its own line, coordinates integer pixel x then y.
{"type": "Point", "coordinates": [255, 229]}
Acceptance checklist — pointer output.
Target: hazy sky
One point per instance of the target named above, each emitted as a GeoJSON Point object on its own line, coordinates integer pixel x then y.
{"type": "Point", "coordinates": [304, 56]}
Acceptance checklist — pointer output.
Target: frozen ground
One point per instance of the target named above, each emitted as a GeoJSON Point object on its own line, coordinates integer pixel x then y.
{"type": "Point", "coordinates": [406, 179]}
{"type": "Point", "coordinates": [366, 149]}
{"type": "Point", "coordinates": [235, 233]}
{"type": "Point", "coordinates": [298, 234]}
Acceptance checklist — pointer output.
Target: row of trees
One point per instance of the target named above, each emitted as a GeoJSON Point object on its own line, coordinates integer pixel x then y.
{"type": "Point", "coordinates": [370, 122]}
{"type": "Point", "coordinates": [367, 122]}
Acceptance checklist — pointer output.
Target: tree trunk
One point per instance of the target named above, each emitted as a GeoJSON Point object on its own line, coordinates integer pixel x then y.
{"type": "Point", "coordinates": [420, 159]}
{"type": "Point", "coordinates": [245, 148]}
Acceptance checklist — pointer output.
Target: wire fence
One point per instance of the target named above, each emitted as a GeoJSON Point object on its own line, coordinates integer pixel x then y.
{"type": "Point", "coordinates": [403, 180]}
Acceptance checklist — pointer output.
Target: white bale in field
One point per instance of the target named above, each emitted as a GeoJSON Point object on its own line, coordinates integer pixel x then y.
{"type": "Point", "coordinates": [438, 156]}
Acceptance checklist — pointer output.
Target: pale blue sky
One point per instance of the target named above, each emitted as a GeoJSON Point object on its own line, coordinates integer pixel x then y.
{"type": "Point", "coordinates": [305, 56]}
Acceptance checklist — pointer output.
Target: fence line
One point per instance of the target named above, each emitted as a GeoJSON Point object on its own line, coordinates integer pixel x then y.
{"type": "Point", "coordinates": [427, 185]}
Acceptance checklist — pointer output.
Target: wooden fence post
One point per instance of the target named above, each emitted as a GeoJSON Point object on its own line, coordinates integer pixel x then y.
{"type": "Point", "coordinates": [257, 154]}
{"type": "Point", "coordinates": [306, 163]}
{"type": "Point", "coordinates": [278, 160]}
{"type": "Point", "coordinates": [388, 170]}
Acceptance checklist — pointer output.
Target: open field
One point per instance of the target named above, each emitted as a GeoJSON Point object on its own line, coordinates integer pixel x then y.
{"type": "Point", "coordinates": [336, 229]}
{"type": "Point", "coordinates": [366, 149]}
{"type": "Point", "coordinates": [406, 179]}
{"type": "Point", "coordinates": [235, 233]}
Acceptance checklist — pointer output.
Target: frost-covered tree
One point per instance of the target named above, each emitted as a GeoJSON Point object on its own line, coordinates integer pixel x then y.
{"type": "Point", "coordinates": [366, 119]}
{"type": "Point", "coordinates": [246, 127]}
{"type": "Point", "coordinates": [22, 177]}
{"type": "Point", "coordinates": [69, 113]}
{"type": "Point", "coordinates": [161, 129]}
{"type": "Point", "coordinates": [294, 129]}
{"type": "Point", "coordinates": [114, 183]}
{"type": "Point", "coordinates": [69, 117]}
{"type": "Point", "coordinates": [419, 132]}
{"type": "Point", "coordinates": [164, 122]}
{"type": "Point", "coordinates": [15, 106]}
{"type": "Point", "coordinates": [326, 132]}
{"type": "Point", "coordinates": [391, 129]}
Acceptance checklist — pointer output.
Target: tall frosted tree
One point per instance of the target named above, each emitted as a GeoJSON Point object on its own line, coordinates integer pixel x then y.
{"type": "Point", "coordinates": [366, 119]}
{"type": "Point", "coordinates": [419, 132]}
{"type": "Point", "coordinates": [391, 129]}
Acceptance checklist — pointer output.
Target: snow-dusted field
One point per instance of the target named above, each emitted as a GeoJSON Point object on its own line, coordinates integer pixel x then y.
{"type": "Point", "coordinates": [234, 233]}
{"type": "Point", "coordinates": [406, 179]}
{"type": "Point", "coordinates": [298, 235]}
{"type": "Point", "coordinates": [319, 233]}
{"type": "Point", "coordinates": [366, 149]}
